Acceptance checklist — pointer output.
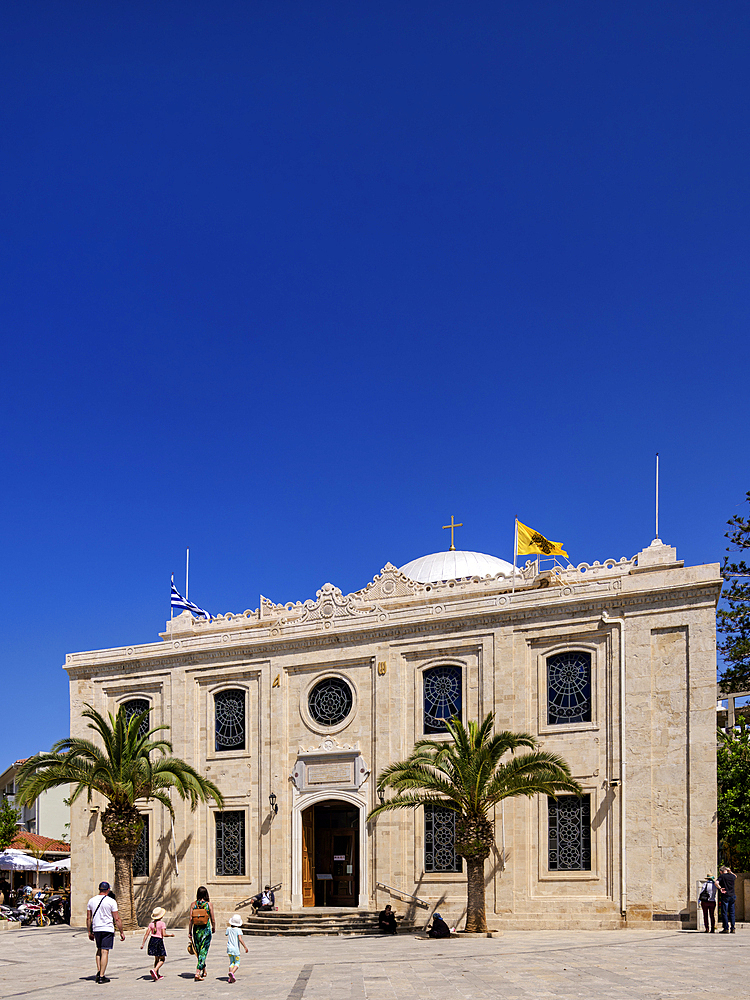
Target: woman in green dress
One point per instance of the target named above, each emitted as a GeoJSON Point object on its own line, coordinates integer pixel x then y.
{"type": "Point", "coordinates": [201, 929]}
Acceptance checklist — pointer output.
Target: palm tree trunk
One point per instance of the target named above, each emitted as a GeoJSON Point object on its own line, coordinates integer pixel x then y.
{"type": "Point", "coordinates": [124, 890]}
{"type": "Point", "coordinates": [476, 920]}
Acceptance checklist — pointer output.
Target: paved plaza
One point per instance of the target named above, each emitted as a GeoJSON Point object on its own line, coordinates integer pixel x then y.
{"type": "Point", "coordinates": [616, 965]}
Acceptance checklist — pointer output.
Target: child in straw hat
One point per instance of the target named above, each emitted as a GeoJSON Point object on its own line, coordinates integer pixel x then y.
{"type": "Point", "coordinates": [157, 929]}
{"type": "Point", "coordinates": [234, 940]}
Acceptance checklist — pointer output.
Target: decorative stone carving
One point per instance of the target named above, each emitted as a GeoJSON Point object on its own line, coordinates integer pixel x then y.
{"type": "Point", "coordinates": [329, 765]}
{"type": "Point", "coordinates": [390, 582]}
{"type": "Point", "coordinates": [329, 744]}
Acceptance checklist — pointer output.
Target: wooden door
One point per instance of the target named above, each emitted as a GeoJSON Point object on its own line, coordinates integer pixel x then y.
{"type": "Point", "coordinates": [308, 853]}
{"type": "Point", "coordinates": [344, 867]}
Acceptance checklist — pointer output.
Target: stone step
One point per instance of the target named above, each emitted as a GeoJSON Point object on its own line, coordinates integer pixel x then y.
{"type": "Point", "coordinates": [336, 924]}
{"type": "Point", "coordinates": [295, 918]}
{"type": "Point", "coordinates": [549, 922]}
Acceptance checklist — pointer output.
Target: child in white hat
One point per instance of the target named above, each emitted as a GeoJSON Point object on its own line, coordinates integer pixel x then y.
{"type": "Point", "coordinates": [157, 930]}
{"type": "Point", "coordinates": [234, 940]}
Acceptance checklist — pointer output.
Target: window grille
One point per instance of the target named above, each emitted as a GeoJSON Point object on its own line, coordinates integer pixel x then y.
{"type": "Point", "coordinates": [439, 840]}
{"type": "Point", "coordinates": [569, 826]}
{"type": "Point", "coordinates": [229, 709]}
{"type": "Point", "coordinates": [442, 696]}
{"type": "Point", "coordinates": [330, 701]}
{"type": "Point", "coordinates": [569, 688]}
{"type": "Point", "coordinates": [141, 859]}
{"type": "Point", "coordinates": [230, 843]}
{"type": "Point", "coordinates": [134, 707]}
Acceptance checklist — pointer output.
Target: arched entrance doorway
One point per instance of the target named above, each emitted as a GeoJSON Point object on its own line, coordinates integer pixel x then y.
{"type": "Point", "coordinates": [330, 854]}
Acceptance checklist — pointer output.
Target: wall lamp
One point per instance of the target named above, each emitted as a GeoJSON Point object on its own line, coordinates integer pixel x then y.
{"type": "Point", "coordinates": [381, 796]}
{"type": "Point", "coordinates": [274, 807]}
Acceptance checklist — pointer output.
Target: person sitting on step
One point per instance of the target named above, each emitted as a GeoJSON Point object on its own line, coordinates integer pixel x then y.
{"type": "Point", "coordinates": [264, 900]}
{"type": "Point", "coordinates": [387, 921]}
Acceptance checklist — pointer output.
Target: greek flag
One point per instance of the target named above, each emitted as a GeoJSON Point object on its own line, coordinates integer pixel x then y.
{"type": "Point", "coordinates": [179, 602]}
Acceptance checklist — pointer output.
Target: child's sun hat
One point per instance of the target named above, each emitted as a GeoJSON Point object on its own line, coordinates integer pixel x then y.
{"type": "Point", "coordinates": [235, 920]}
{"type": "Point", "coordinates": [158, 913]}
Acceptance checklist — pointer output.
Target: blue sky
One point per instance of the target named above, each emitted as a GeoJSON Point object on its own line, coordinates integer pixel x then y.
{"type": "Point", "coordinates": [292, 283]}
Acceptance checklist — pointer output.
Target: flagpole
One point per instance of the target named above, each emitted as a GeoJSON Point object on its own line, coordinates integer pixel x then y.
{"type": "Point", "coordinates": [187, 569]}
{"type": "Point", "coordinates": [657, 494]}
{"type": "Point", "coordinates": [515, 549]}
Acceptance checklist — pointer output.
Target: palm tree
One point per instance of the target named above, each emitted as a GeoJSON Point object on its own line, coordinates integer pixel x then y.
{"type": "Point", "coordinates": [466, 776]}
{"type": "Point", "coordinates": [123, 772]}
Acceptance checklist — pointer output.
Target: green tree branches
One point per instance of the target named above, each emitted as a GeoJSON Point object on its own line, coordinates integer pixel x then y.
{"type": "Point", "coordinates": [733, 773]}
{"type": "Point", "coordinates": [733, 616]}
{"type": "Point", "coordinates": [9, 820]}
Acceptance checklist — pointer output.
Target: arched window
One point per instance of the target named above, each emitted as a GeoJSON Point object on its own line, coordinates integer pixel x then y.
{"type": "Point", "coordinates": [569, 688]}
{"type": "Point", "coordinates": [442, 696]}
{"type": "Point", "coordinates": [134, 707]}
{"type": "Point", "coordinates": [330, 701]}
{"type": "Point", "coordinates": [229, 710]}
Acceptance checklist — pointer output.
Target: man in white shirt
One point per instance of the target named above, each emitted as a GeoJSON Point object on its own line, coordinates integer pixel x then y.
{"type": "Point", "coordinates": [101, 917]}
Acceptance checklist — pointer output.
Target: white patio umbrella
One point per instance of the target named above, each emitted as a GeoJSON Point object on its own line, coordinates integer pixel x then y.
{"type": "Point", "coordinates": [63, 865]}
{"type": "Point", "coordinates": [12, 860]}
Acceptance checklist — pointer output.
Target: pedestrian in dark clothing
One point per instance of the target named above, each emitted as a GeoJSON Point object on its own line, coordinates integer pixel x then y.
{"type": "Point", "coordinates": [439, 927]}
{"type": "Point", "coordinates": [387, 921]}
{"type": "Point", "coordinates": [726, 882]}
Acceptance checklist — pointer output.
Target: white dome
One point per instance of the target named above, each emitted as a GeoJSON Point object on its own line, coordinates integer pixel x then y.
{"type": "Point", "coordinates": [454, 566]}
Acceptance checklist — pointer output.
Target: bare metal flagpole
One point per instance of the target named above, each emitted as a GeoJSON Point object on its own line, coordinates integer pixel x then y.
{"type": "Point", "coordinates": [515, 549]}
{"type": "Point", "coordinates": [657, 494]}
{"type": "Point", "coordinates": [187, 570]}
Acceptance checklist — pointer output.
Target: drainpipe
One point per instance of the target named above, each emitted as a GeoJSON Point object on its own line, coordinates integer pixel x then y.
{"type": "Point", "coordinates": [608, 620]}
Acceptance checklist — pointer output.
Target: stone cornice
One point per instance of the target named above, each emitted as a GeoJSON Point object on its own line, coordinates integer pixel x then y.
{"type": "Point", "coordinates": [395, 624]}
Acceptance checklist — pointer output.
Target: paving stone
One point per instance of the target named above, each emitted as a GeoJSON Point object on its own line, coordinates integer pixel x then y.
{"type": "Point", "coordinates": [58, 963]}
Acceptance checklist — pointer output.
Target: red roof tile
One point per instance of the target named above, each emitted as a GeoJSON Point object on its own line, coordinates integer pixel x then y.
{"type": "Point", "coordinates": [33, 841]}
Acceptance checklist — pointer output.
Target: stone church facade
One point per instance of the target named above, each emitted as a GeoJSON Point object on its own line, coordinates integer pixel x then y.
{"type": "Point", "coordinates": [293, 710]}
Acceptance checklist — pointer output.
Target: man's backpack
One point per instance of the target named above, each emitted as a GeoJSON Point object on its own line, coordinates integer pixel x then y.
{"type": "Point", "coordinates": [199, 915]}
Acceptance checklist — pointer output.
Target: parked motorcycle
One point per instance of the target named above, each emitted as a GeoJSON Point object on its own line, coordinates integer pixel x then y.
{"type": "Point", "coordinates": [54, 910]}
{"type": "Point", "coordinates": [24, 913]}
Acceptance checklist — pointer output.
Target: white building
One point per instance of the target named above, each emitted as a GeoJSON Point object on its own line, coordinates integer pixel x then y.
{"type": "Point", "coordinates": [48, 815]}
{"type": "Point", "coordinates": [293, 709]}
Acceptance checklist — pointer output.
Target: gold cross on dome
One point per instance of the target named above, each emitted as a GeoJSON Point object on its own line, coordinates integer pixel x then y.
{"type": "Point", "coordinates": [452, 526]}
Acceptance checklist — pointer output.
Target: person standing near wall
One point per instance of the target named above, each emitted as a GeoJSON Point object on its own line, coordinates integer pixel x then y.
{"type": "Point", "coordinates": [709, 892]}
{"type": "Point", "coordinates": [726, 881]}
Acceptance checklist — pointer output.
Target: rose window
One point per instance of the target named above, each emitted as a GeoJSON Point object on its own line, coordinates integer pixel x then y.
{"type": "Point", "coordinates": [330, 701]}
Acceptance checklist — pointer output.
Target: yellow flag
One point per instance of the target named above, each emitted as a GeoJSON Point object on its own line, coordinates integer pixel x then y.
{"type": "Point", "coordinates": [530, 542]}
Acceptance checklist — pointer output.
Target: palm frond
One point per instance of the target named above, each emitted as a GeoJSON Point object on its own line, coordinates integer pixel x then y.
{"type": "Point", "coordinates": [122, 769]}
{"type": "Point", "coordinates": [412, 801]}
{"type": "Point", "coordinates": [467, 773]}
